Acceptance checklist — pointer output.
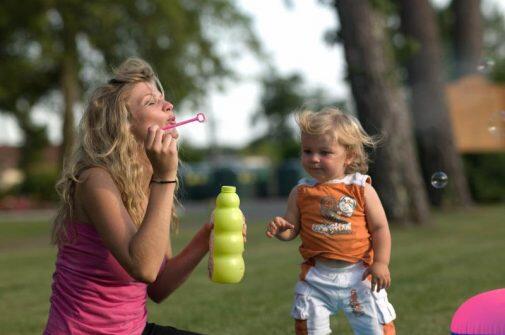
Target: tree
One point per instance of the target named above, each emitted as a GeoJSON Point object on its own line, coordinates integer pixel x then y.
{"type": "Point", "coordinates": [432, 123]}
{"type": "Point", "coordinates": [25, 76]}
{"type": "Point", "coordinates": [382, 110]}
{"type": "Point", "coordinates": [280, 97]}
{"type": "Point", "coordinates": [48, 45]}
{"type": "Point", "coordinates": [467, 36]}
{"type": "Point", "coordinates": [494, 30]}
{"type": "Point", "coordinates": [453, 25]}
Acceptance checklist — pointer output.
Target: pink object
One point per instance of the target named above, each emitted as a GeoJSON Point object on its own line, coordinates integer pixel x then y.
{"type": "Point", "coordinates": [91, 292]}
{"type": "Point", "coordinates": [200, 117]}
{"type": "Point", "coordinates": [482, 314]}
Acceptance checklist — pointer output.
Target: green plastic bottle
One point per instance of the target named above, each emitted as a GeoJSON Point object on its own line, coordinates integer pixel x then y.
{"type": "Point", "coordinates": [226, 264]}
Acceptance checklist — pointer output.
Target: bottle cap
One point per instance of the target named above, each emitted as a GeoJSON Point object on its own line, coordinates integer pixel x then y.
{"type": "Point", "coordinates": [228, 189]}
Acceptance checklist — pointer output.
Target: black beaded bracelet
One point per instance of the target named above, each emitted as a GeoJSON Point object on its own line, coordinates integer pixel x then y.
{"type": "Point", "coordinates": [163, 181]}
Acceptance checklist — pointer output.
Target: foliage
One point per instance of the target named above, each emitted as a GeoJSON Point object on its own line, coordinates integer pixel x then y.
{"type": "Point", "coordinates": [404, 47]}
{"type": "Point", "coordinates": [69, 46]}
{"type": "Point", "coordinates": [281, 96]}
{"type": "Point", "coordinates": [26, 74]}
{"type": "Point", "coordinates": [39, 184]}
{"type": "Point", "coordinates": [277, 152]}
{"type": "Point", "coordinates": [35, 142]}
{"type": "Point", "coordinates": [180, 38]}
{"type": "Point", "coordinates": [493, 21]}
{"type": "Point", "coordinates": [191, 154]}
{"type": "Point", "coordinates": [494, 32]}
{"type": "Point", "coordinates": [486, 176]}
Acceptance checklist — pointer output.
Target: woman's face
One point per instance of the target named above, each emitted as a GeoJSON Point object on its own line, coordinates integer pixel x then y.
{"type": "Point", "coordinates": [148, 107]}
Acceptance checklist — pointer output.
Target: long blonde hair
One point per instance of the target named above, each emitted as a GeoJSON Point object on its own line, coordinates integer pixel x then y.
{"type": "Point", "coordinates": [104, 140]}
{"type": "Point", "coordinates": [343, 128]}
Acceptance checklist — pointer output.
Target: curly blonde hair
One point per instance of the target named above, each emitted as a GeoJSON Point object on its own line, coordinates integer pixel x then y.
{"type": "Point", "coordinates": [104, 140]}
{"type": "Point", "coordinates": [343, 128]}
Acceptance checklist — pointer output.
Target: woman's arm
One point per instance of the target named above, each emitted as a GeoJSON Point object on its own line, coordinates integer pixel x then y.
{"type": "Point", "coordinates": [140, 252]}
{"type": "Point", "coordinates": [177, 269]}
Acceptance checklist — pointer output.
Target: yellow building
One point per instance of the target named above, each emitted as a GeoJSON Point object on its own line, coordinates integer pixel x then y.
{"type": "Point", "coordinates": [477, 109]}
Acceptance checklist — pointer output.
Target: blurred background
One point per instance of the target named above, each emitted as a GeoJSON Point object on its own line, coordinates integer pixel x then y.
{"type": "Point", "coordinates": [428, 77]}
{"type": "Point", "coordinates": [439, 66]}
{"type": "Point", "coordinates": [439, 73]}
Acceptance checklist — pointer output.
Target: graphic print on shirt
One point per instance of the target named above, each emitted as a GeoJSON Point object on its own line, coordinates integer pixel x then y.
{"type": "Point", "coordinates": [333, 212]}
{"type": "Point", "coordinates": [354, 303]}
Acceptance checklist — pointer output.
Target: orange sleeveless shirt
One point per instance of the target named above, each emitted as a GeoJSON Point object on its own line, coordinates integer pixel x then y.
{"type": "Point", "coordinates": [332, 220]}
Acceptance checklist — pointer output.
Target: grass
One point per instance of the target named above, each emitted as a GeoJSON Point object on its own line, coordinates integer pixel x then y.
{"type": "Point", "coordinates": [435, 269]}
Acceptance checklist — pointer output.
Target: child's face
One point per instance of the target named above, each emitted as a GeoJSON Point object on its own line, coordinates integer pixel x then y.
{"type": "Point", "coordinates": [148, 107]}
{"type": "Point", "coordinates": [323, 157]}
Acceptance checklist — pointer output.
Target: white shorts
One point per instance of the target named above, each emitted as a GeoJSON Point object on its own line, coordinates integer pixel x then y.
{"type": "Point", "coordinates": [326, 290]}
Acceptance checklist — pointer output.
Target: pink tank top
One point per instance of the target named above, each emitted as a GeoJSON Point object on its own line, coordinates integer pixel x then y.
{"type": "Point", "coordinates": [92, 293]}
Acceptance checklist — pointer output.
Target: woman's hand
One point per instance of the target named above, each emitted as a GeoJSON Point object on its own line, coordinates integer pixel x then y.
{"type": "Point", "coordinates": [161, 149]}
{"type": "Point", "coordinates": [244, 231]}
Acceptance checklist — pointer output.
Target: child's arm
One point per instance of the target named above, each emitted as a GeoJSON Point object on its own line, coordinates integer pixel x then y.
{"type": "Point", "coordinates": [381, 240]}
{"type": "Point", "coordinates": [286, 228]}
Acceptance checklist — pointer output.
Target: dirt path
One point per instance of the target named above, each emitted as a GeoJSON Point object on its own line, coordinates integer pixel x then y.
{"type": "Point", "coordinates": [253, 209]}
{"type": "Point", "coordinates": [256, 212]}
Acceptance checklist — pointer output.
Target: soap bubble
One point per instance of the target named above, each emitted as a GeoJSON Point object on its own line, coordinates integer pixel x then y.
{"type": "Point", "coordinates": [496, 124]}
{"type": "Point", "coordinates": [486, 65]}
{"type": "Point", "coordinates": [439, 179]}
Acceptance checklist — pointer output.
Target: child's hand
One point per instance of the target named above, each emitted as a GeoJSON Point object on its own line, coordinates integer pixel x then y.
{"type": "Point", "coordinates": [277, 226]}
{"type": "Point", "coordinates": [381, 278]}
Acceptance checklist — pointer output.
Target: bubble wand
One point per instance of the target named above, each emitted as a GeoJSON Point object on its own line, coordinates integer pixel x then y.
{"type": "Point", "coordinates": [200, 117]}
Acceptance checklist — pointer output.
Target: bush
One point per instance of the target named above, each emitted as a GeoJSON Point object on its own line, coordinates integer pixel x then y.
{"type": "Point", "coordinates": [486, 176]}
{"type": "Point", "coordinates": [39, 184]}
{"type": "Point", "coordinates": [288, 175]}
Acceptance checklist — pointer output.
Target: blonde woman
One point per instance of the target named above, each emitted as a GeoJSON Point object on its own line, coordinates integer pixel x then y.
{"type": "Point", "coordinates": [343, 228]}
{"type": "Point", "coordinates": [117, 212]}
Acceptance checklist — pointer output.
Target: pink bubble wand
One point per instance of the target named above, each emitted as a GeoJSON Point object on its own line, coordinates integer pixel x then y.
{"type": "Point", "coordinates": [200, 117]}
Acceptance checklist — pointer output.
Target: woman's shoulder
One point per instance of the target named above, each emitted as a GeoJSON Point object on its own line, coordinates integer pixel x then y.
{"type": "Point", "coordinates": [94, 181]}
{"type": "Point", "coordinates": [95, 185]}
{"type": "Point", "coordinates": [93, 174]}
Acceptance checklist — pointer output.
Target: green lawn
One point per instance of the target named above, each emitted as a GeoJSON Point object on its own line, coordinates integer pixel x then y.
{"type": "Point", "coordinates": [434, 270]}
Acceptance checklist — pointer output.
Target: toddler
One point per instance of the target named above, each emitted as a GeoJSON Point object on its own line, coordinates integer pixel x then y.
{"type": "Point", "coordinates": [344, 232]}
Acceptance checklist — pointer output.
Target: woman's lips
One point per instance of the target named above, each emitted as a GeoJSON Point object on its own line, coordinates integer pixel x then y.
{"type": "Point", "coordinates": [171, 121]}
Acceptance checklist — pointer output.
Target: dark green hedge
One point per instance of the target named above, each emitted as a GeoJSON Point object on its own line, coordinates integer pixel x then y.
{"type": "Point", "coordinates": [486, 176]}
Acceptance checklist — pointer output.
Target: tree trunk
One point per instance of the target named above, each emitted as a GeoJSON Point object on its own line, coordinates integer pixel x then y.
{"type": "Point", "coordinates": [382, 110]}
{"type": "Point", "coordinates": [433, 125]}
{"type": "Point", "coordinates": [467, 36]}
{"type": "Point", "coordinates": [35, 141]}
{"type": "Point", "coordinates": [69, 86]}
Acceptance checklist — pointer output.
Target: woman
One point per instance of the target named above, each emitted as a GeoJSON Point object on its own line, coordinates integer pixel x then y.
{"type": "Point", "coordinates": [117, 212]}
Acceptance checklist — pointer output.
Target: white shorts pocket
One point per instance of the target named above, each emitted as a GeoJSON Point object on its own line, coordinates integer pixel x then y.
{"type": "Point", "coordinates": [385, 311]}
{"type": "Point", "coordinates": [300, 309]}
